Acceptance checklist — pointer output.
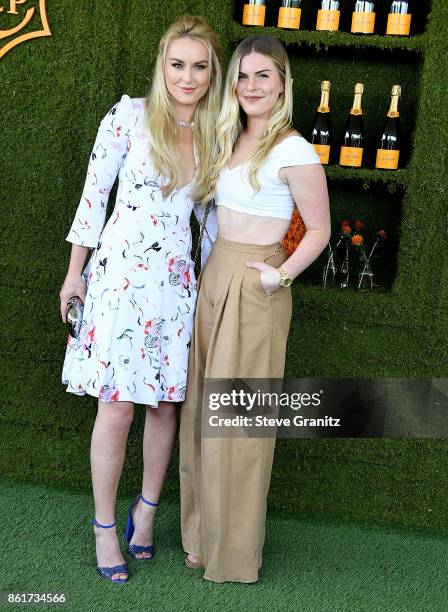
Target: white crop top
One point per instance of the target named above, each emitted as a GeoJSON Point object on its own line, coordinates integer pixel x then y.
{"type": "Point", "coordinates": [274, 199]}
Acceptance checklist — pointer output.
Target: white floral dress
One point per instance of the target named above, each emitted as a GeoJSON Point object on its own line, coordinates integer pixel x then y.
{"type": "Point", "coordinates": [141, 287]}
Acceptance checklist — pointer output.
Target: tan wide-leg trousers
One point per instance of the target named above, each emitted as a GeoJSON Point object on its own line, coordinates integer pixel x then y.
{"type": "Point", "coordinates": [240, 332]}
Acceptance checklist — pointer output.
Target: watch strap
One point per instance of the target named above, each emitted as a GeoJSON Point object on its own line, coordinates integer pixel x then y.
{"type": "Point", "coordinates": [285, 278]}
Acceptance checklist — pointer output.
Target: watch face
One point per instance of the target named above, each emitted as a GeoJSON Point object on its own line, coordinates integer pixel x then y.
{"type": "Point", "coordinates": [286, 281]}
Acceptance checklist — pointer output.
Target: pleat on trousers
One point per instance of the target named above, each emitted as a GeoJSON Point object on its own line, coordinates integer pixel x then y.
{"type": "Point", "coordinates": [239, 332]}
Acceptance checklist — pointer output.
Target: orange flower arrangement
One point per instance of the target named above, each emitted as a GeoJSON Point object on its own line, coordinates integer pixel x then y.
{"type": "Point", "coordinates": [350, 256]}
{"type": "Point", "coordinates": [357, 240]}
{"type": "Point", "coordinates": [295, 233]}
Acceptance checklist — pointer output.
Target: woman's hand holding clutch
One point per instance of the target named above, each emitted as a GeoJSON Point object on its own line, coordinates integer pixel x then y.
{"type": "Point", "coordinates": [73, 285]}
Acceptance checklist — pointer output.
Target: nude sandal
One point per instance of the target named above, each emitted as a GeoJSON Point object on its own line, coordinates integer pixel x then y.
{"type": "Point", "coordinates": [191, 564]}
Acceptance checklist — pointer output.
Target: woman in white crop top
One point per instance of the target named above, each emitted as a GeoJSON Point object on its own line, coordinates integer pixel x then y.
{"type": "Point", "coordinates": [263, 170]}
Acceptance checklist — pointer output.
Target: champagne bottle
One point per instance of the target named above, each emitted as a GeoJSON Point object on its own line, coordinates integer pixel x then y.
{"type": "Point", "coordinates": [363, 18]}
{"type": "Point", "coordinates": [353, 141]}
{"type": "Point", "coordinates": [321, 131]}
{"type": "Point", "coordinates": [289, 14]}
{"type": "Point", "coordinates": [254, 12]}
{"type": "Point", "coordinates": [399, 18]}
{"type": "Point", "coordinates": [388, 150]}
{"type": "Point", "coordinates": [328, 15]}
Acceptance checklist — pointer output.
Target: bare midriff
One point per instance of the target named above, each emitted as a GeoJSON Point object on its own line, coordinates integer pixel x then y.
{"type": "Point", "coordinates": [250, 229]}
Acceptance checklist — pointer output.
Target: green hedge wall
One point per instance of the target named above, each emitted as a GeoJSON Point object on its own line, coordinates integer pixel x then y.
{"type": "Point", "coordinates": [54, 92]}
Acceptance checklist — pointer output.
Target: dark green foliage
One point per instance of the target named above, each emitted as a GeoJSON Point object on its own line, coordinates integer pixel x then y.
{"type": "Point", "coordinates": [53, 95]}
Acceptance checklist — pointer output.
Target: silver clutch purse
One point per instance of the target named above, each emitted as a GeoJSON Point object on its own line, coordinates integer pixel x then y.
{"type": "Point", "coordinates": [75, 308]}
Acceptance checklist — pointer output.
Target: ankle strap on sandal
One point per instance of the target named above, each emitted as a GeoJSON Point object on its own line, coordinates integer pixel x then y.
{"type": "Point", "coordinates": [95, 522]}
{"type": "Point", "coordinates": [149, 503]}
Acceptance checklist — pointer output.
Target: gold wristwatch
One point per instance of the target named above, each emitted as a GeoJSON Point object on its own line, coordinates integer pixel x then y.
{"type": "Point", "coordinates": [285, 279]}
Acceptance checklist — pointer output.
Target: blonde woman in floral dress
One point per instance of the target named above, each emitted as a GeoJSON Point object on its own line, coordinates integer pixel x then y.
{"type": "Point", "coordinates": [141, 288]}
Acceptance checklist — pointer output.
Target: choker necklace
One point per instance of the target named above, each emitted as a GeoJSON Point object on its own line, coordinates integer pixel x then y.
{"type": "Point", "coordinates": [185, 123]}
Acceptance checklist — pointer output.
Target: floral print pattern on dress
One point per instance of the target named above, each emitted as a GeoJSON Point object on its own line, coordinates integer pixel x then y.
{"type": "Point", "coordinates": [141, 286]}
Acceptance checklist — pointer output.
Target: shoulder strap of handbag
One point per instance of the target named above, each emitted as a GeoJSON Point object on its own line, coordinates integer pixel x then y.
{"type": "Point", "coordinates": [208, 207]}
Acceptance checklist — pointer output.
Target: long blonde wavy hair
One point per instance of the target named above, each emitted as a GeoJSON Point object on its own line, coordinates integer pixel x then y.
{"type": "Point", "coordinates": [161, 119]}
{"type": "Point", "coordinates": [232, 119]}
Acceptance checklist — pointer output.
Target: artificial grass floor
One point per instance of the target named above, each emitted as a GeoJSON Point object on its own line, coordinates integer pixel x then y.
{"type": "Point", "coordinates": [310, 564]}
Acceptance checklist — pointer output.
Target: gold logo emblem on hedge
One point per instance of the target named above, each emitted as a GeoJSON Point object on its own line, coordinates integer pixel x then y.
{"type": "Point", "coordinates": [21, 20]}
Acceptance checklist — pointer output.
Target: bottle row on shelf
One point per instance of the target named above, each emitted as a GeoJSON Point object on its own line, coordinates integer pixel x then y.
{"type": "Point", "coordinates": [328, 16]}
{"type": "Point", "coordinates": [353, 141]}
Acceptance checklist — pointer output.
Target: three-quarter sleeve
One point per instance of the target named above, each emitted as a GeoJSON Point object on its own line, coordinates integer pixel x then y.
{"type": "Point", "coordinates": [108, 153]}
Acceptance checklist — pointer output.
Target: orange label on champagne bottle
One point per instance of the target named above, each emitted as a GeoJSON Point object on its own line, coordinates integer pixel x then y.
{"type": "Point", "coordinates": [351, 156]}
{"type": "Point", "coordinates": [324, 153]}
{"type": "Point", "coordinates": [364, 23]}
{"type": "Point", "coordinates": [289, 18]}
{"type": "Point", "coordinates": [387, 160]}
{"type": "Point", "coordinates": [327, 20]}
{"type": "Point", "coordinates": [399, 24]}
{"type": "Point", "coordinates": [254, 14]}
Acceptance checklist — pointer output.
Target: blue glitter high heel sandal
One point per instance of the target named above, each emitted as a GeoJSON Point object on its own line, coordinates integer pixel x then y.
{"type": "Point", "coordinates": [108, 572]}
{"type": "Point", "coordinates": [135, 549]}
